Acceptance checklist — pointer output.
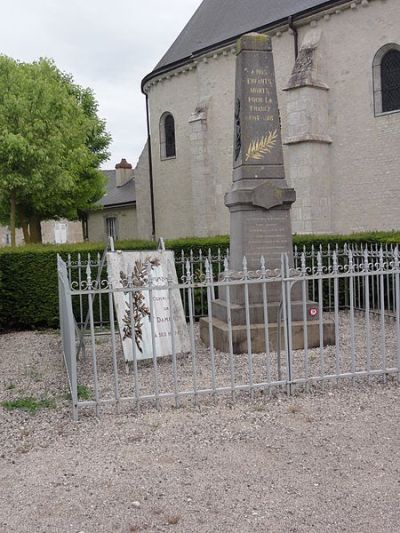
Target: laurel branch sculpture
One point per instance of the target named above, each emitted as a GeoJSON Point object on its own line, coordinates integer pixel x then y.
{"type": "Point", "coordinates": [259, 147]}
{"type": "Point", "coordinates": [140, 310]}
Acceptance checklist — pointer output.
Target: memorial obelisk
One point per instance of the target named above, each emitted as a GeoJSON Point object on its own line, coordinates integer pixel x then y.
{"type": "Point", "coordinates": [260, 199]}
{"type": "Point", "coordinates": [259, 203]}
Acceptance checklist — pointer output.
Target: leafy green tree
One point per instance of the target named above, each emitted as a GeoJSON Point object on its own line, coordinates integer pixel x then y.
{"type": "Point", "coordinates": [52, 143]}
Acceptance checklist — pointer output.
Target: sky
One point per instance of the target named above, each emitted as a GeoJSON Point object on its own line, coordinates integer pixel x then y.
{"type": "Point", "coordinates": [108, 46]}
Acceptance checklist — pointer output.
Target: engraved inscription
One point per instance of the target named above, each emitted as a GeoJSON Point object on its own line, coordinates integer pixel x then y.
{"type": "Point", "coordinates": [260, 87]}
{"type": "Point", "coordinates": [260, 113]}
{"type": "Point", "coordinates": [266, 234]}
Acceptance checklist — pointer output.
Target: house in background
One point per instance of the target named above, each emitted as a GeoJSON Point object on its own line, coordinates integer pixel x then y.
{"type": "Point", "coordinates": [115, 215]}
{"type": "Point", "coordinates": [53, 232]}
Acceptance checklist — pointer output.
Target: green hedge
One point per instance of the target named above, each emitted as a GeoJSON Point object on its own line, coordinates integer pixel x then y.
{"type": "Point", "coordinates": [28, 278]}
{"type": "Point", "coordinates": [28, 281]}
{"type": "Point", "coordinates": [376, 237]}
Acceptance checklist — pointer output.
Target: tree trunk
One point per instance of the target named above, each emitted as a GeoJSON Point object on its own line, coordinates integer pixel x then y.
{"type": "Point", "coordinates": [13, 218]}
{"type": "Point", "coordinates": [35, 229]}
{"type": "Point", "coordinates": [25, 226]}
{"type": "Point", "coordinates": [25, 230]}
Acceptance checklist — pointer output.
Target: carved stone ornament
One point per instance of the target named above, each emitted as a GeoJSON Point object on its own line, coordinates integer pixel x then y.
{"type": "Point", "coordinates": [238, 131]}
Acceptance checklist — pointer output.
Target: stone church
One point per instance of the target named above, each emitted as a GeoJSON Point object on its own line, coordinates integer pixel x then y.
{"type": "Point", "coordinates": [337, 68]}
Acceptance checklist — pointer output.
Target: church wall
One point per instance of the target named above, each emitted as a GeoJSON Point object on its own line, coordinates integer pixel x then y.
{"type": "Point", "coordinates": [172, 177]}
{"type": "Point", "coordinates": [364, 153]}
{"type": "Point", "coordinates": [218, 84]}
{"type": "Point", "coordinates": [305, 130]}
{"type": "Point", "coordinates": [361, 167]}
{"type": "Point", "coordinates": [142, 188]}
{"type": "Point", "coordinates": [189, 189]}
{"type": "Point", "coordinates": [356, 175]}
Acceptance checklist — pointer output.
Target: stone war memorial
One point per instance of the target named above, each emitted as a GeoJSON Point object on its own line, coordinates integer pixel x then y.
{"type": "Point", "coordinates": [259, 202]}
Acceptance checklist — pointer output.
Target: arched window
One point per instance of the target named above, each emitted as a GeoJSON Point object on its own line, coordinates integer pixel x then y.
{"type": "Point", "coordinates": [386, 70]}
{"type": "Point", "coordinates": [390, 75]}
{"type": "Point", "coordinates": [167, 136]}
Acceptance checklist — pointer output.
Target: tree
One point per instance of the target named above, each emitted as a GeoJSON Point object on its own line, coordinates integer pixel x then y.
{"type": "Point", "coordinates": [52, 143]}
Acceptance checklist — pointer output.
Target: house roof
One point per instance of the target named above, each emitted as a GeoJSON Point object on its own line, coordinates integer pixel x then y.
{"type": "Point", "coordinates": [117, 196]}
{"type": "Point", "coordinates": [219, 21]}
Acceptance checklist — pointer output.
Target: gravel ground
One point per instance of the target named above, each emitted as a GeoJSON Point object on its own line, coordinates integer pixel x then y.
{"type": "Point", "coordinates": [326, 461]}
{"type": "Point", "coordinates": [314, 364]}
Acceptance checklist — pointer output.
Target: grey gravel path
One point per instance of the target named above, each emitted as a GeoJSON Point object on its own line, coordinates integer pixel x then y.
{"type": "Point", "coordinates": [323, 462]}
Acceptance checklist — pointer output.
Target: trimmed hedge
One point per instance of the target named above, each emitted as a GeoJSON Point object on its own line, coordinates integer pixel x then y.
{"type": "Point", "coordinates": [376, 237]}
{"type": "Point", "coordinates": [28, 281]}
{"type": "Point", "coordinates": [28, 277]}
{"type": "Point", "coordinates": [199, 243]}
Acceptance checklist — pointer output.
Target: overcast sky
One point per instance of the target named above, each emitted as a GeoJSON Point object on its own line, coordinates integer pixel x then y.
{"type": "Point", "coordinates": [108, 45]}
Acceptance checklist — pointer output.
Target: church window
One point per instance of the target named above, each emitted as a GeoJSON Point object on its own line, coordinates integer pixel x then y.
{"type": "Point", "coordinates": [387, 79]}
{"type": "Point", "coordinates": [390, 73]}
{"type": "Point", "coordinates": [167, 136]}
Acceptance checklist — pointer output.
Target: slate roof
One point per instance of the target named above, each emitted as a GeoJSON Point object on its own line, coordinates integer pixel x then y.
{"type": "Point", "coordinates": [219, 21]}
{"type": "Point", "coordinates": [117, 196]}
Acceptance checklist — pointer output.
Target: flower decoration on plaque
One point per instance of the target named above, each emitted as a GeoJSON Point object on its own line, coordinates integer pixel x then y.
{"type": "Point", "coordinates": [258, 148]}
{"type": "Point", "coordinates": [140, 309]}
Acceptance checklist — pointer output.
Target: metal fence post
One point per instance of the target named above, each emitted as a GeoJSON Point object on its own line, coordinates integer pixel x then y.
{"type": "Point", "coordinates": [287, 325]}
{"type": "Point", "coordinates": [67, 327]}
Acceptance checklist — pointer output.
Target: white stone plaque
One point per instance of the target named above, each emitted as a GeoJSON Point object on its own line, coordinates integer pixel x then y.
{"type": "Point", "coordinates": [167, 309]}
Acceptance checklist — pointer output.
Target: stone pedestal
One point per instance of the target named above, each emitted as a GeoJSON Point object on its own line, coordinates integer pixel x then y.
{"type": "Point", "coordinates": [276, 329]}
{"type": "Point", "coordinates": [257, 335]}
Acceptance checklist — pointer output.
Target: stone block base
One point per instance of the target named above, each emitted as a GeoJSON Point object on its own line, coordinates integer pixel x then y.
{"type": "Point", "coordinates": [239, 336]}
{"type": "Point", "coordinates": [256, 312]}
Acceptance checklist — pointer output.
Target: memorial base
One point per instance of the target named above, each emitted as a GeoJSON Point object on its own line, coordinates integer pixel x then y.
{"type": "Point", "coordinates": [239, 336]}
{"type": "Point", "coordinates": [276, 328]}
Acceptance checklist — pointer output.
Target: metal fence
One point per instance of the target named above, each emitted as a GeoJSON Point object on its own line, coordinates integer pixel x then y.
{"type": "Point", "coordinates": [358, 253]}
{"type": "Point", "coordinates": [77, 269]}
{"type": "Point", "coordinates": [352, 293]}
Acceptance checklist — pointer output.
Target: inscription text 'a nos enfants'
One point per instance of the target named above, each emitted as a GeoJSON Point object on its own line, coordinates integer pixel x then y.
{"type": "Point", "coordinates": [259, 99]}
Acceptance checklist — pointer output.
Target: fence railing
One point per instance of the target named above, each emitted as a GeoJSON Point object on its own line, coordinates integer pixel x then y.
{"type": "Point", "coordinates": [337, 318]}
{"type": "Point", "coordinates": [76, 269]}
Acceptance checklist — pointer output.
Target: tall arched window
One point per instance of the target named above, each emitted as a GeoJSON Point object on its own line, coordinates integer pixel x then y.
{"type": "Point", "coordinates": [386, 70]}
{"type": "Point", "coordinates": [390, 75]}
{"type": "Point", "coordinates": [167, 136]}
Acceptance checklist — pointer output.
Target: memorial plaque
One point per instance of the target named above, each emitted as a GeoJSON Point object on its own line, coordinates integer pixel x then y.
{"type": "Point", "coordinates": [166, 306]}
